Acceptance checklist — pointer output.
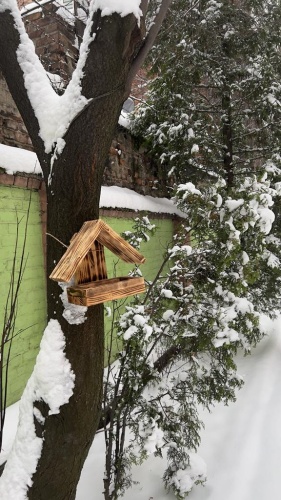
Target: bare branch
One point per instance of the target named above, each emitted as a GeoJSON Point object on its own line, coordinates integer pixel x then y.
{"type": "Point", "coordinates": [144, 6]}
{"type": "Point", "coordinates": [149, 41]}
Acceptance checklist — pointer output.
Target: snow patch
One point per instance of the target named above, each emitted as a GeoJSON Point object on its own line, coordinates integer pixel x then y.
{"type": "Point", "coordinates": [233, 204]}
{"type": "Point", "coordinates": [117, 197]}
{"type": "Point", "coordinates": [185, 479]}
{"type": "Point", "coordinates": [122, 7]}
{"type": "Point", "coordinates": [52, 381]}
{"type": "Point", "coordinates": [74, 315]}
{"type": "Point", "coordinates": [15, 160]}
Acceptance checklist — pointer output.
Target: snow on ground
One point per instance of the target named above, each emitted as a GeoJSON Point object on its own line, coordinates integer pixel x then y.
{"type": "Point", "coordinates": [241, 443]}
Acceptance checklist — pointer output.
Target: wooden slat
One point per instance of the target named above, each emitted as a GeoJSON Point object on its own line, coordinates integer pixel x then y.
{"type": "Point", "coordinates": [93, 266]}
{"type": "Point", "coordinates": [97, 292]}
{"type": "Point", "coordinates": [76, 251]}
{"type": "Point", "coordinates": [119, 246]}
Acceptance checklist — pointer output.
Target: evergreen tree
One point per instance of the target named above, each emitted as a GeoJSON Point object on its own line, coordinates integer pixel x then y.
{"type": "Point", "coordinates": [212, 116]}
{"type": "Point", "coordinates": [214, 104]}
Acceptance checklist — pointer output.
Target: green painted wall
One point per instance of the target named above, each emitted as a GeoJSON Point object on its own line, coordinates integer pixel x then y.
{"type": "Point", "coordinates": [31, 315]}
{"type": "Point", "coordinates": [153, 251]}
{"type": "Point", "coordinates": [32, 300]}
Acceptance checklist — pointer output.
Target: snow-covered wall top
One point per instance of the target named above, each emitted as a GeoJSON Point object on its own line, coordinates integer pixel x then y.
{"type": "Point", "coordinates": [117, 197]}
{"type": "Point", "coordinates": [15, 160]}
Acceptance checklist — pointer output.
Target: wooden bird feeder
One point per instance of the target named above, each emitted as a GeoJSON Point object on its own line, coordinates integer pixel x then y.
{"type": "Point", "coordinates": [84, 261]}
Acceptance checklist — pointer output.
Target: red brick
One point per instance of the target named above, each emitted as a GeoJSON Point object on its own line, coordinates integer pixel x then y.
{"type": "Point", "coordinates": [20, 181]}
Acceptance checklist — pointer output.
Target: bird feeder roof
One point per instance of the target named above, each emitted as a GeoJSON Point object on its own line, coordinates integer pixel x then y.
{"type": "Point", "coordinates": [83, 241]}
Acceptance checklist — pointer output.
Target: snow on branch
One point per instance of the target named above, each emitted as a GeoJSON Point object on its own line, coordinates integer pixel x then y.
{"type": "Point", "coordinates": [53, 112]}
{"type": "Point", "coordinates": [122, 7]}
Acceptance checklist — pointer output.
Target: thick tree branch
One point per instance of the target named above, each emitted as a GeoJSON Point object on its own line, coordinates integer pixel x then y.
{"type": "Point", "coordinates": [149, 41]}
{"type": "Point", "coordinates": [9, 65]}
{"type": "Point", "coordinates": [144, 6]}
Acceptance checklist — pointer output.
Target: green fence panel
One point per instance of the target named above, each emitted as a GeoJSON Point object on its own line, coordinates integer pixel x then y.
{"type": "Point", "coordinates": [31, 315]}
{"type": "Point", "coordinates": [153, 251]}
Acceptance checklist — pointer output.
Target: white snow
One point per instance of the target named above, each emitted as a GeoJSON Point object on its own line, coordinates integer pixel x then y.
{"type": "Point", "coordinates": [14, 160]}
{"type": "Point", "coordinates": [241, 443]}
{"type": "Point", "coordinates": [266, 219]}
{"type": "Point", "coordinates": [168, 294]}
{"type": "Point", "coordinates": [233, 204]}
{"type": "Point", "coordinates": [52, 381]}
{"type": "Point", "coordinates": [153, 436]}
{"type": "Point", "coordinates": [167, 315]}
{"type": "Point", "coordinates": [124, 119]}
{"type": "Point", "coordinates": [122, 7]}
{"type": "Point", "coordinates": [139, 320]}
{"type": "Point", "coordinates": [130, 332]}
{"type": "Point", "coordinates": [245, 258]}
{"type": "Point", "coordinates": [117, 197]}
{"type": "Point", "coordinates": [194, 149]}
{"type": "Point", "coordinates": [189, 188]}
{"type": "Point", "coordinates": [184, 479]}
{"type": "Point", "coordinates": [74, 315]}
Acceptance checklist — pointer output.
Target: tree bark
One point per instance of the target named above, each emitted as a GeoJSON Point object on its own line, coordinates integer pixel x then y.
{"type": "Point", "coordinates": [73, 197]}
{"type": "Point", "coordinates": [227, 125]}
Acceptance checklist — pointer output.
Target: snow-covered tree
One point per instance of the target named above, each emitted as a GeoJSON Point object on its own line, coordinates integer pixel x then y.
{"type": "Point", "coordinates": [215, 102]}
{"type": "Point", "coordinates": [212, 117]}
{"type": "Point", "coordinates": [71, 134]}
{"type": "Point", "coordinates": [181, 339]}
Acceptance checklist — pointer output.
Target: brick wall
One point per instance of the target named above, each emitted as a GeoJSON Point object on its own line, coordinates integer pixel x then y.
{"type": "Point", "coordinates": [54, 40]}
{"type": "Point", "coordinates": [130, 166]}
{"type": "Point", "coordinates": [12, 129]}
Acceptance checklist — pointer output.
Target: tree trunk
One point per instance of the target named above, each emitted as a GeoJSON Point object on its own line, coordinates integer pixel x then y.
{"type": "Point", "coordinates": [73, 198]}
{"type": "Point", "coordinates": [227, 125]}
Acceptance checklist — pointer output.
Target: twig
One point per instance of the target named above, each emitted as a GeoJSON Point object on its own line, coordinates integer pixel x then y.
{"type": "Point", "coordinates": [49, 234]}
